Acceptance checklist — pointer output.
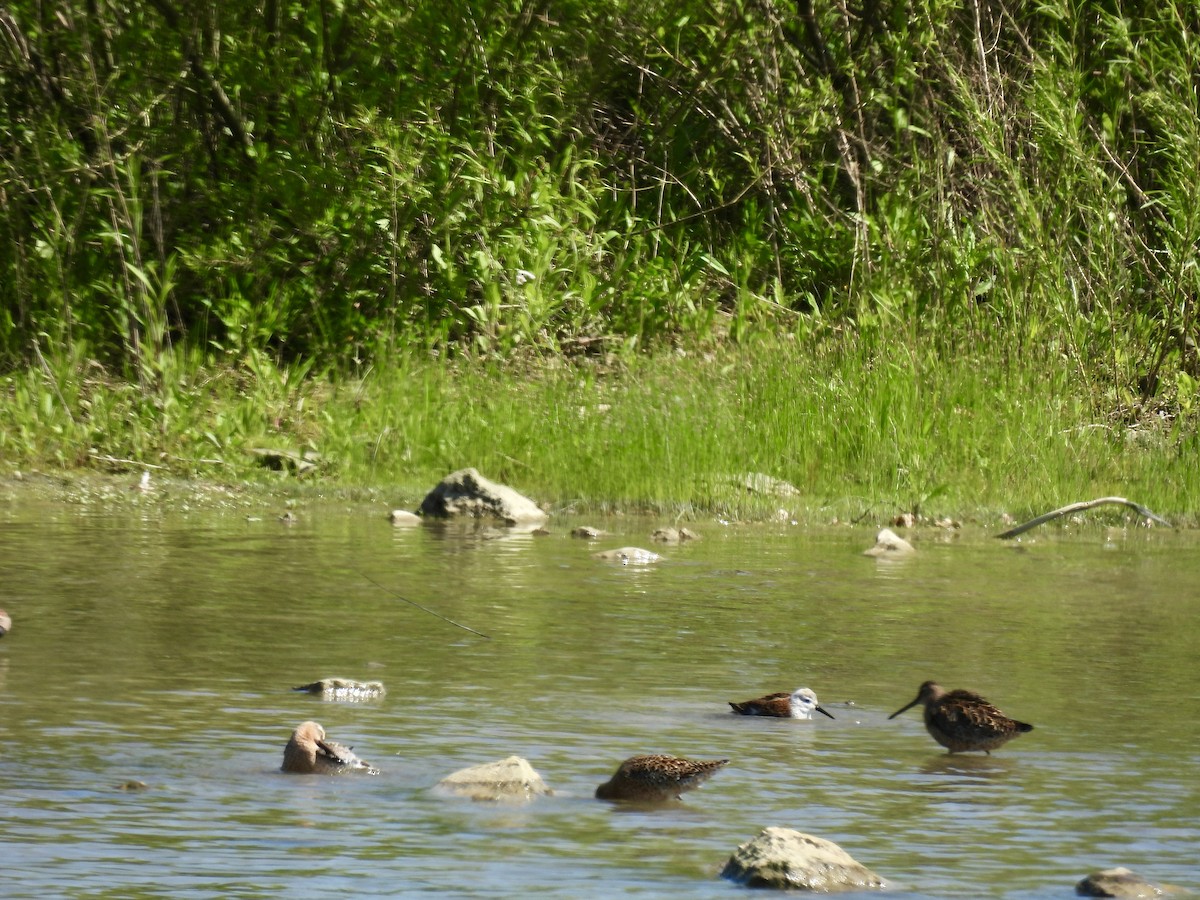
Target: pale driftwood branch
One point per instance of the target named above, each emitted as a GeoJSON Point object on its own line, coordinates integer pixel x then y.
{"type": "Point", "coordinates": [1079, 507]}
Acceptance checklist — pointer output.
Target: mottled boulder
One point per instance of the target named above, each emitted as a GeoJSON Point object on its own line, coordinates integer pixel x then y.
{"type": "Point", "coordinates": [629, 556]}
{"type": "Point", "coordinates": [403, 518]}
{"type": "Point", "coordinates": [673, 535]}
{"type": "Point", "coordinates": [760, 483]}
{"type": "Point", "coordinates": [789, 859]}
{"type": "Point", "coordinates": [511, 780]}
{"type": "Point", "coordinates": [467, 493]}
{"type": "Point", "coordinates": [1118, 882]}
{"type": "Point", "coordinates": [888, 543]}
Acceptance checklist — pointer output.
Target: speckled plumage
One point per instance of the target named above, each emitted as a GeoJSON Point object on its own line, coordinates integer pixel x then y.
{"type": "Point", "coordinates": [344, 689]}
{"type": "Point", "coordinates": [657, 778]}
{"type": "Point", "coordinates": [799, 704]}
{"type": "Point", "coordinates": [309, 753]}
{"type": "Point", "coordinates": [961, 720]}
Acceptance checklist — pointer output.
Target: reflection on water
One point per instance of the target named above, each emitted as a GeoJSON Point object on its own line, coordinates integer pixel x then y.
{"type": "Point", "coordinates": [160, 647]}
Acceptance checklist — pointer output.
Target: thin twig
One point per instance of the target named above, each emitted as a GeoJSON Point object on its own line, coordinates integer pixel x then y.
{"type": "Point", "coordinates": [116, 460]}
{"type": "Point", "coordinates": [1079, 507]}
{"type": "Point", "coordinates": [420, 607]}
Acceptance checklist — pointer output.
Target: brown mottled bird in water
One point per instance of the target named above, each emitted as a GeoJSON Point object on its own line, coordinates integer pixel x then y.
{"type": "Point", "coordinates": [962, 720]}
{"type": "Point", "coordinates": [799, 704]}
{"type": "Point", "coordinates": [309, 753]}
{"type": "Point", "coordinates": [657, 778]}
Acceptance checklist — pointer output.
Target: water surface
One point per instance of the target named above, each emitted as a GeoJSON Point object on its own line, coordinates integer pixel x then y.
{"type": "Point", "coordinates": [156, 644]}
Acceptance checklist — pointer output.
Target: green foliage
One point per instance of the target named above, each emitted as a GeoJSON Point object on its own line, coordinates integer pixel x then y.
{"type": "Point", "coordinates": [328, 185]}
{"type": "Point", "coordinates": [857, 429]}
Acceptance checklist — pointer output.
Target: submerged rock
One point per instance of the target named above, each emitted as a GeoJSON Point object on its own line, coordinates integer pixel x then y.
{"type": "Point", "coordinates": [587, 532]}
{"type": "Point", "coordinates": [629, 556]}
{"type": "Point", "coordinates": [785, 858]}
{"type": "Point", "coordinates": [1118, 882]}
{"type": "Point", "coordinates": [5, 623]}
{"type": "Point", "coordinates": [402, 517]}
{"type": "Point", "coordinates": [888, 543]}
{"type": "Point", "coordinates": [512, 780]}
{"type": "Point", "coordinates": [673, 535]}
{"type": "Point", "coordinates": [344, 689]}
{"type": "Point", "coordinates": [467, 493]}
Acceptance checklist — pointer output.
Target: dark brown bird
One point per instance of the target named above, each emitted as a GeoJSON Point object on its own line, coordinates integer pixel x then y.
{"type": "Point", "coordinates": [799, 704]}
{"type": "Point", "coordinates": [309, 753]}
{"type": "Point", "coordinates": [962, 720]}
{"type": "Point", "coordinates": [657, 778]}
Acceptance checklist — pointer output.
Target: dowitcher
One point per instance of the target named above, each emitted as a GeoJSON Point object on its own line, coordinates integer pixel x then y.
{"type": "Point", "coordinates": [657, 778]}
{"type": "Point", "coordinates": [344, 689]}
{"type": "Point", "coordinates": [309, 753]}
{"type": "Point", "coordinates": [799, 704]}
{"type": "Point", "coordinates": [962, 720]}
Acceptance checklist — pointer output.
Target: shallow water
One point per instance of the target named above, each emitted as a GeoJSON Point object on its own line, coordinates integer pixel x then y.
{"type": "Point", "coordinates": [157, 645]}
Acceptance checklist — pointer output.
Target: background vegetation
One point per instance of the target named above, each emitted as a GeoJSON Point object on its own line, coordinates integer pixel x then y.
{"type": "Point", "coordinates": [214, 210]}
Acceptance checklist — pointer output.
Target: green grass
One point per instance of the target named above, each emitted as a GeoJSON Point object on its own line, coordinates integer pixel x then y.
{"type": "Point", "coordinates": [861, 431]}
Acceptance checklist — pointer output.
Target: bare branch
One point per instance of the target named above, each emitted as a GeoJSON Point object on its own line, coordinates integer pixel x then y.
{"type": "Point", "coordinates": [1079, 507]}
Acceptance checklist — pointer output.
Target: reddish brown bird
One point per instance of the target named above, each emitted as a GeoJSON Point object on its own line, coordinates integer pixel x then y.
{"type": "Point", "coordinates": [961, 720]}
{"type": "Point", "coordinates": [799, 704]}
{"type": "Point", "coordinates": [309, 753]}
{"type": "Point", "coordinates": [657, 778]}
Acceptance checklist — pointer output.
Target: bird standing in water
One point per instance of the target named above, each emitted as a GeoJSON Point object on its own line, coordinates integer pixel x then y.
{"type": "Point", "coordinates": [961, 720]}
{"type": "Point", "coordinates": [657, 778]}
{"type": "Point", "coordinates": [799, 704]}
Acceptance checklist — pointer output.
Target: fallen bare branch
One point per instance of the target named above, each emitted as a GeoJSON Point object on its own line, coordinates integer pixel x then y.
{"type": "Point", "coordinates": [1079, 507]}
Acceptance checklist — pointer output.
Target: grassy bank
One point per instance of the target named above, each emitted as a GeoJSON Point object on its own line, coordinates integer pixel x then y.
{"type": "Point", "coordinates": [860, 431]}
{"type": "Point", "coordinates": [941, 253]}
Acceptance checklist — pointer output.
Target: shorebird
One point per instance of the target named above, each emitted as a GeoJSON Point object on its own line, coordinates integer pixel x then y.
{"type": "Point", "coordinates": [962, 720]}
{"type": "Point", "coordinates": [799, 704]}
{"type": "Point", "coordinates": [344, 689]}
{"type": "Point", "coordinates": [5, 623]}
{"type": "Point", "coordinates": [308, 753]}
{"type": "Point", "coordinates": [657, 778]}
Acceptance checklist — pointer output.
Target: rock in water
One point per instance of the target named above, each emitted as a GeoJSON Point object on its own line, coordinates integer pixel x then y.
{"type": "Point", "coordinates": [788, 859]}
{"type": "Point", "coordinates": [512, 779]}
{"type": "Point", "coordinates": [467, 493]}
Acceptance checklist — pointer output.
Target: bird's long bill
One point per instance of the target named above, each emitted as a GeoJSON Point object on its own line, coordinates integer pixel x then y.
{"type": "Point", "coordinates": [906, 707]}
{"type": "Point", "coordinates": [823, 712]}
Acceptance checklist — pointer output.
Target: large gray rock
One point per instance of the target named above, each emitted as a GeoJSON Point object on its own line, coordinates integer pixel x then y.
{"type": "Point", "coordinates": [760, 483]}
{"type": "Point", "coordinates": [1118, 882]}
{"type": "Point", "coordinates": [785, 858]}
{"type": "Point", "coordinates": [512, 779]}
{"type": "Point", "coordinates": [467, 493]}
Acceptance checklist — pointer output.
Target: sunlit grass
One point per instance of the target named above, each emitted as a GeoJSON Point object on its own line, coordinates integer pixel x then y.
{"type": "Point", "coordinates": [857, 431]}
